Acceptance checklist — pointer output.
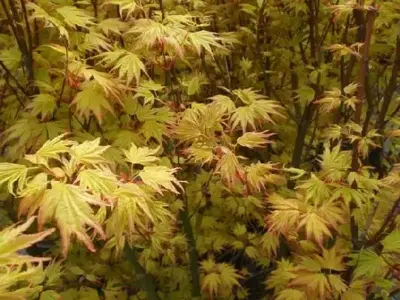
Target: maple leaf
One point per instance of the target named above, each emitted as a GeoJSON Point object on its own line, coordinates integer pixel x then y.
{"type": "Point", "coordinates": [158, 177]}
{"type": "Point", "coordinates": [41, 14]}
{"type": "Point", "coordinates": [314, 281]}
{"type": "Point", "coordinates": [367, 264]}
{"type": "Point", "coordinates": [111, 25]}
{"type": "Point", "coordinates": [316, 190]}
{"type": "Point", "coordinates": [291, 294]}
{"type": "Point", "coordinates": [12, 240]}
{"type": "Point", "coordinates": [254, 139]}
{"type": "Point", "coordinates": [282, 275]}
{"type": "Point", "coordinates": [285, 213]}
{"type": "Point", "coordinates": [124, 5]}
{"type": "Point", "coordinates": [218, 277]}
{"type": "Point", "coordinates": [265, 109]}
{"type": "Point", "coordinates": [391, 242]}
{"type": "Point", "coordinates": [135, 210]}
{"type": "Point", "coordinates": [260, 174]}
{"type": "Point", "coordinates": [335, 163]}
{"type": "Point", "coordinates": [201, 154]}
{"type": "Point", "coordinates": [128, 65]}
{"type": "Point", "coordinates": [100, 180]}
{"type": "Point", "coordinates": [229, 167]}
{"type": "Point", "coordinates": [203, 40]}
{"type": "Point", "coordinates": [223, 104]}
{"type": "Point", "coordinates": [75, 17]}
{"type": "Point", "coordinates": [356, 290]}
{"type": "Point", "coordinates": [141, 155]}
{"type": "Point", "coordinates": [50, 150]}
{"type": "Point", "coordinates": [88, 153]}
{"type": "Point", "coordinates": [315, 226]}
{"type": "Point", "coordinates": [43, 105]}
{"type": "Point", "coordinates": [69, 206]}
{"type": "Point", "coordinates": [11, 174]}
{"type": "Point", "coordinates": [32, 194]}
{"type": "Point", "coordinates": [91, 100]}
{"type": "Point", "coordinates": [244, 115]}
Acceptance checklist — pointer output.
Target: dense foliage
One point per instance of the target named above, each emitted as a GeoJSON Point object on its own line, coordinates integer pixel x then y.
{"type": "Point", "coordinates": [210, 149]}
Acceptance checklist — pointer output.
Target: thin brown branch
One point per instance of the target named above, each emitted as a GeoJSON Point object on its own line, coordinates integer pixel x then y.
{"type": "Point", "coordinates": [391, 216]}
{"type": "Point", "coordinates": [390, 89]}
{"type": "Point", "coordinates": [8, 73]}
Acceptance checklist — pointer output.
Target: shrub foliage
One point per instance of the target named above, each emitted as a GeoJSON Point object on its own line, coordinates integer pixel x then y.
{"type": "Point", "coordinates": [199, 149]}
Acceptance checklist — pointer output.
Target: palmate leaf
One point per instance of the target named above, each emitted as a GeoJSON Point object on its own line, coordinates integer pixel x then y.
{"type": "Point", "coordinates": [248, 96]}
{"type": "Point", "coordinates": [108, 26]}
{"type": "Point", "coordinates": [88, 153]}
{"type": "Point", "coordinates": [368, 264]}
{"type": "Point", "coordinates": [95, 41]}
{"type": "Point", "coordinates": [356, 291]}
{"type": "Point", "coordinates": [110, 85]}
{"type": "Point", "coordinates": [160, 177]}
{"type": "Point", "coordinates": [31, 195]}
{"type": "Point", "coordinates": [43, 105]}
{"type": "Point", "coordinates": [128, 64]}
{"type": "Point", "coordinates": [223, 104]}
{"type": "Point", "coordinates": [141, 155]}
{"type": "Point", "coordinates": [12, 240]}
{"type": "Point", "coordinates": [135, 210]}
{"type": "Point", "coordinates": [50, 150]}
{"type": "Point", "coordinates": [11, 174]}
{"type": "Point", "coordinates": [244, 116]}
{"type": "Point", "coordinates": [127, 6]}
{"type": "Point", "coordinates": [92, 100]}
{"type": "Point", "coordinates": [315, 226]}
{"type": "Point", "coordinates": [201, 154]}
{"type": "Point", "coordinates": [285, 215]}
{"type": "Point", "coordinates": [39, 13]}
{"type": "Point", "coordinates": [258, 175]}
{"type": "Point", "coordinates": [69, 206]}
{"type": "Point", "coordinates": [229, 167]}
{"type": "Point", "coordinates": [391, 243]}
{"type": "Point", "coordinates": [335, 163]}
{"type": "Point", "coordinates": [317, 282]}
{"type": "Point", "coordinates": [254, 139]}
{"type": "Point", "coordinates": [265, 109]}
{"type": "Point", "coordinates": [75, 17]}
{"type": "Point", "coordinates": [218, 277]}
{"type": "Point", "coordinates": [316, 191]}
{"type": "Point", "coordinates": [203, 39]}
{"type": "Point", "coordinates": [291, 294]}
{"type": "Point", "coordinates": [21, 275]}
{"type": "Point", "coordinates": [100, 180]}
{"type": "Point", "coordinates": [282, 275]}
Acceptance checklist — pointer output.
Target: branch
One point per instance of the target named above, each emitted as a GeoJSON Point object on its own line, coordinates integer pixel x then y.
{"type": "Point", "coordinates": [13, 78]}
{"type": "Point", "coordinates": [65, 76]}
{"type": "Point", "coordinates": [362, 80]}
{"type": "Point", "coordinates": [193, 256]}
{"type": "Point", "coordinates": [391, 216]}
{"type": "Point", "coordinates": [361, 94]}
{"type": "Point", "coordinates": [390, 89]}
{"type": "Point", "coordinates": [145, 280]}
{"type": "Point", "coordinates": [28, 28]}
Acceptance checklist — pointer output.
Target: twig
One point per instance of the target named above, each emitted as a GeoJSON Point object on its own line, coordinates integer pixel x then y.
{"type": "Point", "coordinates": [65, 77]}
{"type": "Point", "coordinates": [13, 78]}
